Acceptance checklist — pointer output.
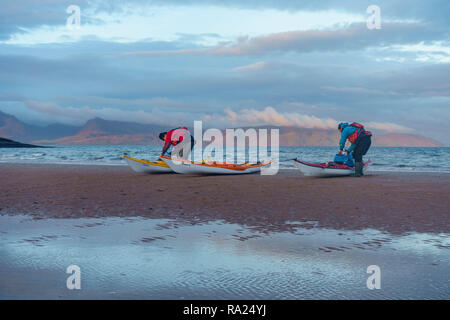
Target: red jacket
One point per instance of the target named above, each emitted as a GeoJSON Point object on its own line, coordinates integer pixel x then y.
{"type": "Point", "coordinates": [174, 137]}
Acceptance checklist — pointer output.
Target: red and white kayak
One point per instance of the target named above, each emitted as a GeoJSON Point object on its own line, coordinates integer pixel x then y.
{"type": "Point", "coordinates": [327, 169]}
{"type": "Point", "coordinates": [211, 167]}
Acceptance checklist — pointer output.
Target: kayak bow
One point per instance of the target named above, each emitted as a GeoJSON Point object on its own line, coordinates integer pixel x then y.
{"type": "Point", "coordinates": [145, 166]}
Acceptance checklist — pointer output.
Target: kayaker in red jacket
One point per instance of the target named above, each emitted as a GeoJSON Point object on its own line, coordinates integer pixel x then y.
{"type": "Point", "coordinates": [180, 137]}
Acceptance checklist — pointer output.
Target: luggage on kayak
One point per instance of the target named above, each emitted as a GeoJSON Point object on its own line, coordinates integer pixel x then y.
{"type": "Point", "coordinates": [345, 158]}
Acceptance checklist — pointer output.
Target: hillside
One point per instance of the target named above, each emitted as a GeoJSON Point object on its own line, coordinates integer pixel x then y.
{"type": "Point", "coordinates": [12, 128]}
{"type": "Point", "coordinates": [293, 136]}
{"type": "Point", "coordinates": [405, 140]}
{"type": "Point", "coordinates": [6, 143]}
{"type": "Point", "coordinates": [103, 132]}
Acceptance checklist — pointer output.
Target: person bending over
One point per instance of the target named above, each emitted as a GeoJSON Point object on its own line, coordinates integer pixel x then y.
{"type": "Point", "coordinates": [360, 140]}
{"type": "Point", "coordinates": [180, 139]}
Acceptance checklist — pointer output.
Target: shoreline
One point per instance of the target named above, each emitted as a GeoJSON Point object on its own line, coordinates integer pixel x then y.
{"type": "Point", "coordinates": [18, 163]}
{"type": "Point", "coordinates": [393, 202]}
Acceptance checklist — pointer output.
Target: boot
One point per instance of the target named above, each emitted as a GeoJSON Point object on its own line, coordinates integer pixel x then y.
{"type": "Point", "coordinates": [358, 169]}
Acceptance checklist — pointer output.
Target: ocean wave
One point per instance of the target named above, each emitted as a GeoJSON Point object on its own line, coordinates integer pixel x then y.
{"type": "Point", "coordinates": [383, 159]}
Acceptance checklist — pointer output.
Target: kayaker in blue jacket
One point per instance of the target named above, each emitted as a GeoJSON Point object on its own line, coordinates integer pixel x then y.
{"type": "Point", "coordinates": [360, 140]}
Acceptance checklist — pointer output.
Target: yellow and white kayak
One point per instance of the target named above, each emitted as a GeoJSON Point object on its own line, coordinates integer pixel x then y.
{"type": "Point", "coordinates": [212, 167]}
{"type": "Point", "coordinates": [145, 166]}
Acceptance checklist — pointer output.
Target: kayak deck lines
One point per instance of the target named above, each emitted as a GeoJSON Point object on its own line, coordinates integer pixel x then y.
{"type": "Point", "coordinates": [212, 167]}
{"type": "Point", "coordinates": [153, 163]}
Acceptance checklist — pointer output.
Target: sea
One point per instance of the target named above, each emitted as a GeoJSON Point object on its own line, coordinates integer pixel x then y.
{"type": "Point", "coordinates": [403, 159]}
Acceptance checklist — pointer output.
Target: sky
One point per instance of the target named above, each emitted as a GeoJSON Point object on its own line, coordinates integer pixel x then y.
{"type": "Point", "coordinates": [230, 63]}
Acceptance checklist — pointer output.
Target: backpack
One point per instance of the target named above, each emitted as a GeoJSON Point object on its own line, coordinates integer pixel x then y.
{"type": "Point", "coordinates": [361, 128]}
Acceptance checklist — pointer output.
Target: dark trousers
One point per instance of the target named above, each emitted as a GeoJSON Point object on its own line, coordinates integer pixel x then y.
{"type": "Point", "coordinates": [361, 146]}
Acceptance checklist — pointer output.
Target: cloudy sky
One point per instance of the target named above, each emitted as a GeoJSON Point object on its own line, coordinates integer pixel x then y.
{"type": "Point", "coordinates": [229, 62]}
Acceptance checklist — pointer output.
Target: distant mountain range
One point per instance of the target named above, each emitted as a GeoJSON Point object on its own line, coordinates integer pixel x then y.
{"type": "Point", "coordinates": [11, 127]}
{"type": "Point", "coordinates": [293, 136]}
{"type": "Point", "coordinates": [104, 132]}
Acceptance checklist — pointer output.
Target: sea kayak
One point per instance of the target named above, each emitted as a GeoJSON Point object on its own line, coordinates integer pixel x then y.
{"type": "Point", "coordinates": [326, 169]}
{"type": "Point", "coordinates": [212, 167]}
{"type": "Point", "coordinates": [144, 166]}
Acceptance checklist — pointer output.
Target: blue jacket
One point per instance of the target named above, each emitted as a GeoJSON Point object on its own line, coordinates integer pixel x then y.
{"type": "Point", "coordinates": [346, 132]}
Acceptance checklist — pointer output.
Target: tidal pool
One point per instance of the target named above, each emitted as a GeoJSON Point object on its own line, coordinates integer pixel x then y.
{"type": "Point", "coordinates": [137, 258]}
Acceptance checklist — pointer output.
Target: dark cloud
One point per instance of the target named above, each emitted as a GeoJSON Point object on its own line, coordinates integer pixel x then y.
{"type": "Point", "coordinates": [16, 15]}
{"type": "Point", "coordinates": [354, 37]}
{"type": "Point", "coordinates": [335, 83]}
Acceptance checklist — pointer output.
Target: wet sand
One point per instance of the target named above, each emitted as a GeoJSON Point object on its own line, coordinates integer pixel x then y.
{"type": "Point", "coordinates": [138, 258]}
{"type": "Point", "coordinates": [168, 236]}
{"type": "Point", "coordinates": [392, 202]}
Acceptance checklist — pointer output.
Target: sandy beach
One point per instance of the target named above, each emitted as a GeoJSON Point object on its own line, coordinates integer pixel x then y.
{"type": "Point", "coordinates": [392, 202]}
{"type": "Point", "coordinates": [169, 236]}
